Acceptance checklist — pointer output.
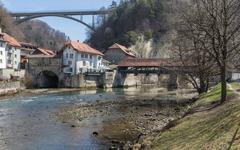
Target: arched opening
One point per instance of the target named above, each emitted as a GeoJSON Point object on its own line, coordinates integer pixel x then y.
{"type": "Point", "coordinates": [47, 79]}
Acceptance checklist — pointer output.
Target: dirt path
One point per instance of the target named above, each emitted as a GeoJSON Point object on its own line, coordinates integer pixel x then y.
{"type": "Point", "coordinates": [232, 89]}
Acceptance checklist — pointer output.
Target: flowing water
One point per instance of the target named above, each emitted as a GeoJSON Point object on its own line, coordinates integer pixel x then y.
{"type": "Point", "coordinates": [26, 121]}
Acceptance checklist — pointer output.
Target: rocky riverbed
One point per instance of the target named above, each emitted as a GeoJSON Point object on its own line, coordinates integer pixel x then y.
{"type": "Point", "coordinates": [129, 123]}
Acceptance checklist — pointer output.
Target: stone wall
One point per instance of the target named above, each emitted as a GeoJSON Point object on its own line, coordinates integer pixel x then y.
{"type": "Point", "coordinates": [9, 87]}
{"type": "Point", "coordinates": [116, 79]}
{"type": "Point", "coordinates": [84, 81]}
{"type": "Point", "coordinates": [5, 74]}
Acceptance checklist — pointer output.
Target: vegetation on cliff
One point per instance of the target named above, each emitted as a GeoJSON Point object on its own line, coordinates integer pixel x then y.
{"type": "Point", "coordinates": [133, 20]}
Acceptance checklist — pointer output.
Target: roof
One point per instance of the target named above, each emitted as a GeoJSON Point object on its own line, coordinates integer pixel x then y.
{"type": "Point", "coordinates": [150, 62]}
{"type": "Point", "coordinates": [9, 39]}
{"type": "Point", "coordinates": [28, 46]}
{"type": "Point", "coordinates": [82, 47]}
{"type": "Point", "coordinates": [40, 56]}
{"type": "Point", "coordinates": [123, 48]}
{"type": "Point", "coordinates": [43, 52]}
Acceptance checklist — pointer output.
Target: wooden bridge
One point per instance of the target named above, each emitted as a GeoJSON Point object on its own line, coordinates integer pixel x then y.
{"type": "Point", "coordinates": [152, 66]}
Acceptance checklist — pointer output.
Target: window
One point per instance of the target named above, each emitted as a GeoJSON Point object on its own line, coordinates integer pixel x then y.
{"type": "Point", "coordinates": [66, 55]}
{"type": "Point", "coordinates": [86, 55]}
{"type": "Point", "coordinates": [91, 63]}
{"type": "Point", "coordinates": [82, 55]}
{"type": "Point", "coordinates": [70, 69]}
{"type": "Point", "coordinates": [1, 44]}
{"type": "Point", "coordinates": [90, 56]}
{"type": "Point", "coordinates": [84, 63]}
{"type": "Point", "coordinates": [0, 60]}
{"type": "Point", "coordinates": [1, 53]}
{"type": "Point", "coordinates": [9, 62]}
{"type": "Point", "coordinates": [70, 62]}
{"type": "Point", "coordinates": [15, 62]}
{"type": "Point", "coordinates": [15, 55]}
{"type": "Point", "coordinates": [71, 55]}
{"type": "Point", "coordinates": [99, 58]}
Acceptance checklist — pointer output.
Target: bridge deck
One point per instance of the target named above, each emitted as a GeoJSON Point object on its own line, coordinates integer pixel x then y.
{"type": "Point", "coordinates": [71, 13]}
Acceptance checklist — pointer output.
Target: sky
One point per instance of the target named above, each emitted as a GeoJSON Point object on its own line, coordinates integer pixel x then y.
{"type": "Point", "coordinates": [74, 30]}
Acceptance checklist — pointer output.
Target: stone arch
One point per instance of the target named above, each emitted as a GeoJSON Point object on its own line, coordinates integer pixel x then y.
{"type": "Point", "coordinates": [47, 79]}
{"type": "Point", "coordinates": [19, 21]}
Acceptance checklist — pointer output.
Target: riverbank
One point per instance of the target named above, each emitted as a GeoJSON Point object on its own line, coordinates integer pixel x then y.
{"type": "Point", "coordinates": [208, 125]}
{"type": "Point", "coordinates": [130, 121]}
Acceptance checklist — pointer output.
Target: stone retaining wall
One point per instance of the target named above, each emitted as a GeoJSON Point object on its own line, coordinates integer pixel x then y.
{"type": "Point", "coordinates": [9, 87]}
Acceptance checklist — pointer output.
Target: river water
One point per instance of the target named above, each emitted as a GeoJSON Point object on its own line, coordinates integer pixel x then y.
{"type": "Point", "coordinates": [26, 121]}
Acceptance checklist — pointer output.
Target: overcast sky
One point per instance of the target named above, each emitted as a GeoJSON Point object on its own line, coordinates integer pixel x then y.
{"type": "Point", "coordinates": [73, 29]}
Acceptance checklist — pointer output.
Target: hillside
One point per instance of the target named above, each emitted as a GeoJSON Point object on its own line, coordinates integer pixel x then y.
{"type": "Point", "coordinates": [40, 33]}
{"type": "Point", "coordinates": [208, 126]}
{"type": "Point", "coordinates": [136, 23]}
{"type": "Point", "coordinates": [36, 32]}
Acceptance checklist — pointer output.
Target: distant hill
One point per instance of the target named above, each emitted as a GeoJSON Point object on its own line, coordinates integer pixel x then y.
{"type": "Point", "coordinates": [36, 32]}
{"type": "Point", "coordinates": [41, 34]}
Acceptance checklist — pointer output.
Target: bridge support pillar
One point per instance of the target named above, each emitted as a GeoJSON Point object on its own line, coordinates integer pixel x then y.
{"type": "Point", "coordinates": [173, 81]}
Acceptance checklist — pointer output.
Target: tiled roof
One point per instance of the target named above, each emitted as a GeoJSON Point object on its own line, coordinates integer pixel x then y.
{"type": "Point", "coordinates": [9, 39]}
{"type": "Point", "coordinates": [123, 48]}
{"type": "Point", "coordinates": [151, 62]}
{"type": "Point", "coordinates": [82, 47]}
{"type": "Point", "coordinates": [46, 52]}
{"type": "Point", "coordinates": [28, 46]}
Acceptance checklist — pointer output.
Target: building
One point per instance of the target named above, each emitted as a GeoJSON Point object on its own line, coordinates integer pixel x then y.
{"type": "Point", "coordinates": [117, 53]}
{"type": "Point", "coordinates": [9, 56]}
{"type": "Point", "coordinates": [9, 52]}
{"type": "Point", "coordinates": [26, 49]}
{"type": "Point", "coordinates": [79, 58]}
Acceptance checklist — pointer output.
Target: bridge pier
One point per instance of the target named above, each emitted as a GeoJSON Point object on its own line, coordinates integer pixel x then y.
{"type": "Point", "coordinates": [173, 81]}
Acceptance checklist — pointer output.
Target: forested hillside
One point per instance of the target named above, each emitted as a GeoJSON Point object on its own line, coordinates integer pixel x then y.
{"type": "Point", "coordinates": [142, 24]}
{"type": "Point", "coordinates": [36, 32]}
{"type": "Point", "coordinates": [40, 33]}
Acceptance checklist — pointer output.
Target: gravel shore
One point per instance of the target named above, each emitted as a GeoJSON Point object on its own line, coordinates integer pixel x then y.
{"type": "Point", "coordinates": [128, 124]}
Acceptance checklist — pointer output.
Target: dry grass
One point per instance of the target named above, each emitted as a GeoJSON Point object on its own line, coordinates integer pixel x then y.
{"type": "Point", "coordinates": [211, 129]}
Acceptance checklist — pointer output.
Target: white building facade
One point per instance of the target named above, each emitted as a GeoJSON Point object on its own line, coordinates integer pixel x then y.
{"type": "Point", "coordinates": [80, 58]}
{"type": "Point", "coordinates": [9, 53]}
{"type": "Point", "coordinates": [10, 57]}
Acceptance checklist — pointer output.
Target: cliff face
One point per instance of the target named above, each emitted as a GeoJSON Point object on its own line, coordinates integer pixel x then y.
{"type": "Point", "coordinates": [143, 25]}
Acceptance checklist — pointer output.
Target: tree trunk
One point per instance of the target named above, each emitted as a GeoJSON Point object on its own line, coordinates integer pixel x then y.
{"type": "Point", "coordinates": [223, 84]}
{"type": "Point", "coordinates": [203, 85]}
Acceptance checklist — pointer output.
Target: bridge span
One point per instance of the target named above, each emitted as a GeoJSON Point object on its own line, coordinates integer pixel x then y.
{"type": "Point", "coordinates": [21, 17]}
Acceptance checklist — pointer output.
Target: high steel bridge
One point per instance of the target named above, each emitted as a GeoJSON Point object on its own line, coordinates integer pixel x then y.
{"type": "Point", "coordinates": [21, 17]}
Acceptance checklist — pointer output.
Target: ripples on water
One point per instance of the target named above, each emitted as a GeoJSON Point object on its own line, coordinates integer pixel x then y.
{"type": "Point", "coordinates": [25, 122]}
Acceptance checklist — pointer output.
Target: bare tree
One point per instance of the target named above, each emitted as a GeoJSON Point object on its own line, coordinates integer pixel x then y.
{"type": "Point", "coordinates": [216, 25]}
{"type": "Point", "coordinates": [190, 52]}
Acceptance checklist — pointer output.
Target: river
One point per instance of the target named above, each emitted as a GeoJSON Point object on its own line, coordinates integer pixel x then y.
{"type": "Point", "coordinates": [26, 121]}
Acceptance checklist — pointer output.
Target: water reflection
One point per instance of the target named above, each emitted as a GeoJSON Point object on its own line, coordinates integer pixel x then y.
{"type": "Point", "coordinates": [26, 122]}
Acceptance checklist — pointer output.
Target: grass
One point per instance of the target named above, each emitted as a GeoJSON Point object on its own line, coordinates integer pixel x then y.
{"type": "Point", "coordinates": [212, 129]}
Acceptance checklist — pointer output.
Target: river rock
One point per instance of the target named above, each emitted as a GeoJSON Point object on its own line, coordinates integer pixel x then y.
{"type": "Point", "coordinates": [137, 146]}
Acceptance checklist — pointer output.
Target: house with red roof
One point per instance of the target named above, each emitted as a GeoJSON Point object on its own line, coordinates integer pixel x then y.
{"type": "Point", "coordinates": [116, 53]}
{"type": "Point", "coordinates": [9, 52]}
{"type": "Point", "coordinates": [79, 58]}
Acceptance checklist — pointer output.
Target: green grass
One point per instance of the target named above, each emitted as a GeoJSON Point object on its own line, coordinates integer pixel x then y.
{"type": "Point", "coordinates": [211, 129]}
